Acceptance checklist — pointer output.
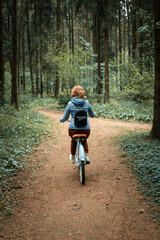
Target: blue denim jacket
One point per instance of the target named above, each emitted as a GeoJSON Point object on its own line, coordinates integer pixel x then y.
{"type": "Point", "coordinates": [71, 109]}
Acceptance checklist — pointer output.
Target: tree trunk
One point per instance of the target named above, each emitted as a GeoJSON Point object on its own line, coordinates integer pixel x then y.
{"type": "Point", "coordinates": [94, 46]}
{"type": "Point", "coordinates": [41, 54]}
{"type": "Point", "coordinates": [47, 85]}
{"type": "Point", "coordinates": [69, 25]}
{"type": "Point", "coordinates": [37, 72]}
{"type": "Point", "coordinates": [99, 85]}
{"type": "Point", "coordinates": [120, 44]}
{"type": "Point", "coordinates": [155, 132]}
{"type": "Point", "coordinates": [36, 50]}
{"type": "Point", "coordinates": [94, 39]}
{"type": "Point", "coordinates": [134, 28]}
{"type": "Point", "coordinates": [111, 40]}
{"type": "Point", "coordinates": [56, 92]}
{"type": "Point", "coordinates": [87, 28]}
{"type": "Point", "coordinates": [124, 33]}
{"type": "Point", "coordinates": [79, 32]}
{"type": "Point", "coordinates": [129, 40]}
{"type": "Point", "coordinates": [106, 60]}
{"type": "Point", "coordinates": [23, 60]}
{"type": "Point", "coordinates": [2, 100]}
{"type": "Point", "coordinates": [72, 21]}
{"type": "Point", "coordinates": [30, 55]}
{"type": "Point", "coordinates": [14, 99]}
{"type": "Point", "coordinates": [63, 32]}
{"type": "Point", "coordinates": [19, 60]}
{"type": "Point", "coordinates": [59, 23]}
{"type": "Point", "coordinates": [41, 85]}
{"type": "Point", "coordinates": [116, 55]}
{"type": "Point", "coordinates": [23, 46]}
{"type": "Point", "coordinates": [9, 57]}
{"type": "Point", "coordinates": [41, 65]}
{"type": "Point", "coordinates": [140, 47]}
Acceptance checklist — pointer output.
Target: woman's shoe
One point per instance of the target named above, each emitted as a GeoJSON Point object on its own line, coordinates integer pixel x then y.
{"type": "Point", "coordinates": [72, 159]}
{"type": "Point", "coordinates": [87, 160]}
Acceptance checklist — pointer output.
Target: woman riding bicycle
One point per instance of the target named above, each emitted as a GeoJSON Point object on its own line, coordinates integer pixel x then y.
{"type": "Point", "coordinates": [78, 101]}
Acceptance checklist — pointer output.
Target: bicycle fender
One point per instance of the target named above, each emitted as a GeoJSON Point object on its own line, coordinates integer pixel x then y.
{"type": "Point", "coordinates": [82, 154]}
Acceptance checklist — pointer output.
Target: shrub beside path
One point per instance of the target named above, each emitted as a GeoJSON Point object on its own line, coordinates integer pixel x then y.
{"type": "Point", "coordinates": [56, 206]}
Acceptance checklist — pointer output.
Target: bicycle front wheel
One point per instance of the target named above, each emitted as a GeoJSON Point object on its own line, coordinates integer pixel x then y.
{"type": "Point", "coordinates": [82, 173]}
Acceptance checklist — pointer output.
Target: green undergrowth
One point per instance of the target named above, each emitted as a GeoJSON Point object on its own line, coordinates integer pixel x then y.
{"type": "Point", "coordinates": [116, 109]}
{"type": "Point", "coordinates": [143, 156]}
{"type": "Point", "coordinates": [46, 103]}
{"type": "Point", "coordinates": [123, 110]}
{"type": "Point", "coordinates": [126, 111]}
{"type": "Point", "coordinates": [20, 132]}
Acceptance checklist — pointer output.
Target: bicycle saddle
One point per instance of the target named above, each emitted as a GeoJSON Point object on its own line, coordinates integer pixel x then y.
{"type": "Point", "coordinates": [79, 136]}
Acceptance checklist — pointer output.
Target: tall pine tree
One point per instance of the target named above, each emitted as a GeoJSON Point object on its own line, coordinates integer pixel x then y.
{"type": "Point", "coordinates": [1, 58]}
{"type": "Point", "coordinates": [14, 97]}
{"type": "Point", "coordinates": [156, 119]}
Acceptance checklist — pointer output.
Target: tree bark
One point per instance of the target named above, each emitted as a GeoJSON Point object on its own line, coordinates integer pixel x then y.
{"type": "Point", "coordinates": [56, 92]}
{"type": "Point", "coordinates": [36, 50]}
{"type": "Point", "coordinates": [134, 28]}
{"type": "Point", "coordinates": [124, 32]}
{"type": "Point", "coordinates": [19, 60]}
{"type": "Point", "coordinates": [94, 38]}
{"type": "Point", "coordinates": [72, 21]}
{"type": "Point", "coordinates": [41, 54]}
{"type": "Point", "coordinates": [63, 32]}
{"type": "Point", "coordinates": [99, 84]}
{"type": "Point", "coordinates": [23, 60]}
{"type": "Point", "coordinates": [155, 132]}
{"type": "Point", "coordinates": [23, 46]}
{"type": "Point", "coordinates": [87, 28]}
{"type": "Point", "coordinates": [69, 25]}
{"type": "Point", "coordinates": [48, 86]}
{"type": "Point", "coordinates": [94, 46]}
{"type": "Point", "coordinates": [128, 31]}
{"type": "Point", "coordinates": [79, 32]}
{"type": "Point", "coordinates": [106, 56]}
{"type": "Point", "coordinates": [2, 100]}
{"type": "Point", "coordinates": [30, 55]}
{"type": "Point", "coordinates": [14, 97]}
{"type": "Point", "coordinates": [140, 47]}
{"type": "Point", "coordinates": [116, 55]}
{"type": "Point", "coordinates": [120, 44]}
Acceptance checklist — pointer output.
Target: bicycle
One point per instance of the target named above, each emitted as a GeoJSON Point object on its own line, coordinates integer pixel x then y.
{"type": "Point", "coordinates": [80, 156]}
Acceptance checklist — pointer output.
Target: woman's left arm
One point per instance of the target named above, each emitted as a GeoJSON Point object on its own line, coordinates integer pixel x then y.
{"type": "Point", "coordinates": [66, 114]}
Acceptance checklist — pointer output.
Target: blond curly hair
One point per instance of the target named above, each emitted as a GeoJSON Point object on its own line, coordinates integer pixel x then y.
{"type": "Point", "coordinates": [78, 91]}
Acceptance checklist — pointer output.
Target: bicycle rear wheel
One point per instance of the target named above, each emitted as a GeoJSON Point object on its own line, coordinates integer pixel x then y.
{"type": "Point", "coordinates": [82, 172]}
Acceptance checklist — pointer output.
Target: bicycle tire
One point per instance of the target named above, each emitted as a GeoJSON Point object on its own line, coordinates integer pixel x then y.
{"type": "Point", "coordinates": [82, 173]}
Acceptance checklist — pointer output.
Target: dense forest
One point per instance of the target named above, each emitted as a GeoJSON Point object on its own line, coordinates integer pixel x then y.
{"type": "Point", "coordinates": [111, 48]}
{"type": "Point", "coordinates": [46, 47]}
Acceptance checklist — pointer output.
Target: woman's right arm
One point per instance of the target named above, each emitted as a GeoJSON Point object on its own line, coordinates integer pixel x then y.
{"type": "Point", "coordinates": [90, 111]}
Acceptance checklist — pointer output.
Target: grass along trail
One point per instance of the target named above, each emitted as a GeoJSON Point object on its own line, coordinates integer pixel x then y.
{"type": "Point", "coordinates": [56, 206]}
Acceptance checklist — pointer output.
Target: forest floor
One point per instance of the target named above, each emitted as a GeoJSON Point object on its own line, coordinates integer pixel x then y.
{"type": "Point", "coordinates": [54, 205]}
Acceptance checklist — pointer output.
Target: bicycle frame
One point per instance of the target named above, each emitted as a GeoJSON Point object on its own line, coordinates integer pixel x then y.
{"type": "Point", "coordinates": [80, 151]}
{"type": "Point", "coordinates": [80, 156]}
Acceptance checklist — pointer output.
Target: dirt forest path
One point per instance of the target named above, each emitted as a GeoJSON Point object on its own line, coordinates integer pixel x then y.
{"type": "Point", "coordinates": [56, 206]}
